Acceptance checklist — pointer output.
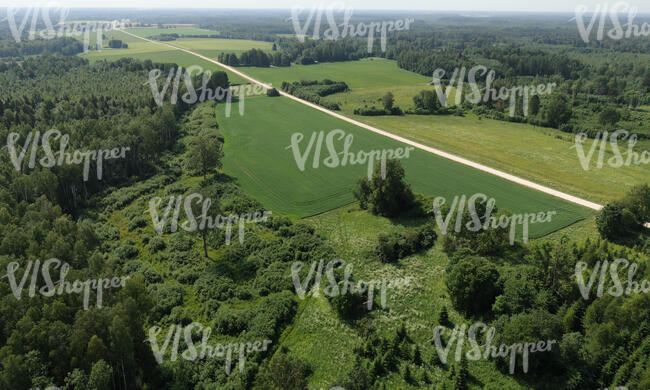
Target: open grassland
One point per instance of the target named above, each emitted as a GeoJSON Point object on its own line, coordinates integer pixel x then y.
{"type": "Point", "coordinates": [211, 47]}
{"type": "Point", "coordinates": [143, 50]}
{"type": "Point", "coordinates": [366, 73]}
{"type": "Point", "coordinates": [319, 337]}
{"type": "Point", "coordinates": [545, 156]}
{"type": "Point", "coordinates": [150, 31]}
{"type": "Point", "coordinates": [257, 154]}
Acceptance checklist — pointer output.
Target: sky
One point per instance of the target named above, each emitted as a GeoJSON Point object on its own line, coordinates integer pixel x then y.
{"type": "Point", "coordinates": [432, 5]}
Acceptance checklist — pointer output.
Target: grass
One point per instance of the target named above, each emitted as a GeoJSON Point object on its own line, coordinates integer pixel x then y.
{"type": "Point", "coordinates": [353, 233]}
{"type": "Point", "coordinates": [257, 155]}
{"type": "Point", "coordinates": [150, 31]}
{"type": "Point", "coordinates": [366, 73]}
{"type": "Point", "coordinates": [542, 155]}
{"type": "Point", "coordinates": [143, 50]}
{"type": "Point", "coordinates": [211, 47]}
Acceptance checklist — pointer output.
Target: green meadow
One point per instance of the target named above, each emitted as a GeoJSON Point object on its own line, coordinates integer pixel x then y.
{"type": "Point", "coordinates": [150, 31]}
{"type": "Point", "coordinates": [211, 47]}
{"type": "Point", "coordinates": [257, 153]}
{"type": "Point", "coordinates": [542, 155]}
{"type": "Point", "coordinates": [143, 50]}
{"type": "Point", "coordinates": [365, 73]}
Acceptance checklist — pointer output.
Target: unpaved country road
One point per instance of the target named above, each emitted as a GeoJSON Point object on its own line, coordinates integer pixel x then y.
{"type": "Point", "coordinates": [453, 157]}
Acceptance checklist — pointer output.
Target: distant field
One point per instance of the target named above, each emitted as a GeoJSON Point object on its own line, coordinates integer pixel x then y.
{"type": "Point", "coordinates": [366, 73]}
{"type": "Point", "coordinates": [143, 50]}
{"type": "Point", "coordinates": [211, 47]}
{"type": "Point", "coordinates": [149, 31]}
{"type": "Point", "coordinates": [257, 155]}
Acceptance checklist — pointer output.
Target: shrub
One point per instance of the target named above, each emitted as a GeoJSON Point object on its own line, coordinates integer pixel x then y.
{"type": "Point", "coordinates": [394, 246]}
{"type": "Point", "coordinates": [156, 244]}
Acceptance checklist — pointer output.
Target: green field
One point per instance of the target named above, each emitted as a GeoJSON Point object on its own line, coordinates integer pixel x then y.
{"type": "Point", "coordinates": [150, 31]}
{"type": "Point", "coordinates": [257, 155]}
{"type": "Point", "coordinates": [366, 73]}
{"type": "Point", "coordinates": [542, 155]}
{"type": "Point", "coordinates": [211, 48]}
{"type": "Point", "coordinates": [143, 50]}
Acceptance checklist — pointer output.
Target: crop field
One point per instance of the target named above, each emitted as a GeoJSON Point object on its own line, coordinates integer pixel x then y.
{"type": "Point", "coordinates": [257, 154]}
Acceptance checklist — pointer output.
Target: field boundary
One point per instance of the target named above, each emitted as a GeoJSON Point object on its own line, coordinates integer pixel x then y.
{"type": "Point", "coordinates": [441, 153]}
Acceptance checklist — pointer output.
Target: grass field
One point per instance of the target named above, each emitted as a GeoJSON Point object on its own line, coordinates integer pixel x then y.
{"type": "Point", "coordinates": [542, 155]}
{"type": "Point", "coordinates": [149, 31]}
{"type": "Point", "coordinates": [143, 50]}
{"type": "Point", "coordinates": [211, 47]}
{"type": "Point", "coordinates": [257, 155]}
{"type": "Point", "coordinates": [366, 73]}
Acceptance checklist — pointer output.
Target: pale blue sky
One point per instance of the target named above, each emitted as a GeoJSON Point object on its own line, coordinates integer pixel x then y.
{"type": "Point", "coordinates": [434, 5]}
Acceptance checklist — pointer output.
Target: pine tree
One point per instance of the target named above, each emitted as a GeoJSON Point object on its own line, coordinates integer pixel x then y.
{"type": "Point", "coordinates": [401, 332]}
{"type": "Point", "coordinates": [417, 357]}
{"type": "Point", "coordinates": [406, 374]}
{"type": "Point", "coordinates": [460, 379]}
{"type": "Point", "coordinates": [377, 369]}
{"type": "Point", "coordinates": [443, 319]}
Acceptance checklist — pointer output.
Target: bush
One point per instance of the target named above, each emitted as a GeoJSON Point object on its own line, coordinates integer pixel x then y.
{"type": "Point", "coordinates": [394, 246]}
{"type": "Point", "coordinates": [156, 244]}
{"type": "Point", "coordinates": [473, 285]}
{"type": "Point", "coordinates": [126, 251]}
{"type": "Point", "coordinates": [272, 92]}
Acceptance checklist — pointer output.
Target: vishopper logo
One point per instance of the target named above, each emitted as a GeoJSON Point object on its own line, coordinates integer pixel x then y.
{"type": "Point", "coordinates": [205, 350]}
{"type": "Point", "coordinates": [209, 88]}
{"type": "Point", "coordinates": [347, 29]}
{"type": "Point", "coordinates": [344, 157]}
{"type": "Point", "coordinates": [485, 351]}
{"type": "Point", "coordinates": [50, 288]}
{"type": "Point", "coordinates": [487, 220]}
{"type": "Point", "coordinates": [490, 94]}
{"type": "Point", "coordinates": [618, 159]}
{"type": "Point", "coordinates": [50, 159]}
{"type": "Point", "coordinates": [205, 218]}
{"type": "Point", "coordinates": [333, 289]}
{"type": "Point", "coordinates": [601, 13]}
{"type": "Point", "coordinates": [616, 290]}
{"type": "Point", "coordinates": [64, 29]}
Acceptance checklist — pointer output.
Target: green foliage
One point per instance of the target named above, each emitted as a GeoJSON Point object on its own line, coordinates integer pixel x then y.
{"type": "Point", "coordinates": [386, 193]}
{"type": "Point", "coordinates": [284, 371]}
{"type": "Point", "coordinates": [473, 284]}
{"type": "Point", "coordinates": [558, 111]}
{"type": "Point", "coordinates": [396, 245]}
{"type": "Point", "coordinates": [427, 102]}
{"type": "Point", "coordinates": [625, 218]}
